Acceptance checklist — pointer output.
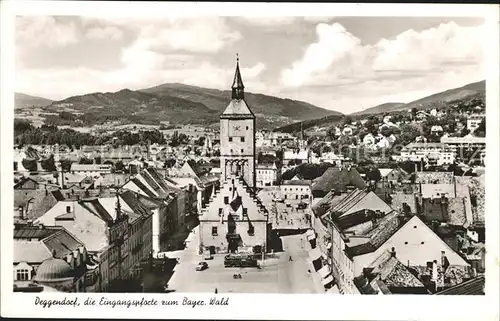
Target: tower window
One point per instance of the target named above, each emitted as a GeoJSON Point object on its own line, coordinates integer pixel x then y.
{"type": "Point", "coordinates": [242, 139]}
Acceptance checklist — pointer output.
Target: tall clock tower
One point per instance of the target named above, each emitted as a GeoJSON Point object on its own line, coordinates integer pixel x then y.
{"type": "Point", "coordinates": [237, 135]}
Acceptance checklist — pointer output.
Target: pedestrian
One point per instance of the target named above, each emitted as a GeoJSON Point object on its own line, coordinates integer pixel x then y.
{"type": "Point", "coordinates": [290, 259]}
{"type": "Point", "coordinates": [216, 291]}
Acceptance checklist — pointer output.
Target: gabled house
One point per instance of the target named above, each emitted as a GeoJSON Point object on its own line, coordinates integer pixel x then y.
{"type": "Point", "coordinates": [388, 275]}
{"type": "Point", "coordinates": [415, 243]}
{"type": "Point", "coordinates": [338, 179]}
{"type": "Point", "coordinates": [38, 249]}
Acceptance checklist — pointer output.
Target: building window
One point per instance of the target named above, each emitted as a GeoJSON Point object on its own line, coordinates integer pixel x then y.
{"type": "Point", "coordinates": [231, 150]}
{"type": "Point", "coordinates": [214, 230]}
{"type": "Point", "coordinates": [242, 150]}
{"type": "Point", "coordinates": [251, 231]}
{"type": "Point", "coordinates": [245, 212]}
{"type": "Point", "coordinates": [22, 275]}
{"type": "Point", "coordinates": [230, 139]}
{"type": "Point", "coordinates": [220, 211]}
{"type": "Point", "coordinates": [247, 127]}
{"type": "Point", "coordinates": [226, 199]}
{"type": "Point", "coordinates": [242, 139]}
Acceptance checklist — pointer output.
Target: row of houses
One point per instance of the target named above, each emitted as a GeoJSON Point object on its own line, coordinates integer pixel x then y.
{"type": "Point", "coordinates": [448, 151]}
{"type": "Point", "coordinates": [419, 243]}
{"type": "Point", "coordinates": [148, 213]}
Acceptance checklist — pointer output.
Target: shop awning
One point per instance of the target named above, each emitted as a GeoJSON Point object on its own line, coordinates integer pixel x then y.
{"type": "Point", "coordinates": [324, 271]}
{"type": "Point", "coordinates": [333, 290]}
{"type": "Point", "coordinates": [317, 264]}
{"type": "Point", "coordinates": [310, 235]}
{"type": "Point", "coordinates": [315, 254]}
{"type": "Point", "coordinates": [327, 280]}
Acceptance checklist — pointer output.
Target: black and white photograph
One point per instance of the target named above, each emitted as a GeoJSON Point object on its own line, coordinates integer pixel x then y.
{"type": "Point", "coordinates": [204, 154]}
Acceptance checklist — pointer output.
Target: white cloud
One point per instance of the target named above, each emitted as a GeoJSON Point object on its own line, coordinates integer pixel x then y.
{"type": "Point", "coordinates": [266, 20]}
{"type": "Point", "coordinates": [270, 21]}
{"type": "Point", "coordinates": [169, 34]}
{"type": "Point", "coordinates": [151, 72]}
{"type": "Point", "coordinates": [33, 31]}
{"type": "Point", "coordinates": [411, 65]}
{"type": "Point", "coordinates": [108, 32]}
{"type": "Point", "coordinates": [334, 43]}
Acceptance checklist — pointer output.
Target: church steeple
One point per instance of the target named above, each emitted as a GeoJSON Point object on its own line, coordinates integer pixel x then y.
{"type": "Point", "coordinates": [238, 90]}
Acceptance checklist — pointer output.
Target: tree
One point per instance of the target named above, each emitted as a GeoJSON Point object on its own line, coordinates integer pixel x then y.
{"type": "Point", "coordinates": [481, 129]}
{"type": "Point", "coordinates": [30, 164]}
{"type": "Point", "coordinates": [119, 166]}
{"type": "Point", "coordinates": [374, 175]}
{"type": "Point", "coordinates": [414, 112]}
{"type": "Point", "coordinates": [48, 164]}
{"type": "Point", "coordinates": [85, 160]}
{"type": "Point", "coordinates": [169, 163]}
{"type": "Point", "coordinates": [201, 141]}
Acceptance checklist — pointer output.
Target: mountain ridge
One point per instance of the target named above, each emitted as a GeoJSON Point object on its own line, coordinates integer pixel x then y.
{"type": "Point", "coordinates": [181, 104]}
{"type": "Point", "coordinates": [430, 101]}
{"type": "Point", "coordinates": [22, 100]}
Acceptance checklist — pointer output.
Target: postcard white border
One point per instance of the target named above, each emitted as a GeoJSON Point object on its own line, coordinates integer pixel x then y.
{"type": "Point", "coordinates": [252, 306]}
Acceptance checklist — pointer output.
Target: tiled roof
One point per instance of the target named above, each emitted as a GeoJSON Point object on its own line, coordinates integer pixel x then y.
{"type": "Point", "coordinates": [143, 187]}
{"type": "Point", "coordinates": [62, 242]}
{"type": "Point", "coordinates": [30, 251]}
{"type": "Point", "coordinates": [90, 167]}
{"type": "Point", "coordinates": [378, 234]}
{"type": "Point", "coordinates": [35, 232]}
{"type": "Point", "coordinates": [94, 206]}
{"type": "Point", "coordinates": [325, 203]}
{"type": "Point", "coordinates": [457, 211]}
{"type": "Point", "coordinates": [434, 177]}
{"type": "Point", "coordinates": [46, 241]}
{"type": "Point", "coordinates": [238, 107]}
{"type": "Point", "coordinates": [133, 202]}
{"type": "Point", "coordinates": [151, 182]}
{"type": "Point", "coordinates": [158, 178]}
{"type": "Point", "coordinates": [476, 187]}
{"type": "Point", "coordinates": [208, 179]}
{"type": "Point", "coordinates": [305, 182]}
{"type": "Point", "coordinates": [337, 179]}
{"type": "Point", "coordinates": [399, 199]}
{"type": "Point", "coordinates": [393, 272]}
{"type": "Point", "coordinates": [58, 195]}
{"type": "Point", "coordinates": [474, 286]}
{"type": "Point", "coordinates": [24, 180]}
{"type": "Point", "coordinates": [454, 275]}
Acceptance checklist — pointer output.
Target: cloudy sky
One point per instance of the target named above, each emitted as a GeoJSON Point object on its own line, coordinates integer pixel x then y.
{"type": "Point", "coordinates": [340, 63]}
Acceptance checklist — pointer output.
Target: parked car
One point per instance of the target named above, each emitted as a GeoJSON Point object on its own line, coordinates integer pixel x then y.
{"type": "Point", "coordinates": [207, 255]}
{"type": "Point", "coordinates": [202, 266]}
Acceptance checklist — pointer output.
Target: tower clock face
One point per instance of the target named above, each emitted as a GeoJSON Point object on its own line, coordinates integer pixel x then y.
{"type": "Point", "coordinates": [236, 130]}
